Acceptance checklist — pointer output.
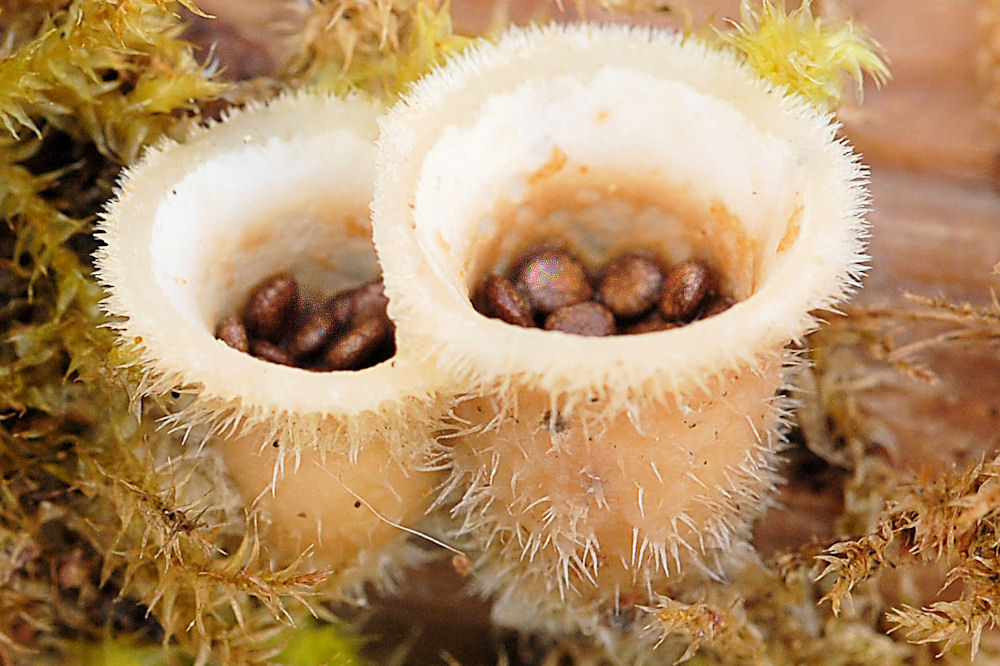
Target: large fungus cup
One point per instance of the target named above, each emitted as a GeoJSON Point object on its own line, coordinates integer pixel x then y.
{"type": "Point", "coordinates": [594, 469]}
{"type": "Point", "coordinates": [282, 187]}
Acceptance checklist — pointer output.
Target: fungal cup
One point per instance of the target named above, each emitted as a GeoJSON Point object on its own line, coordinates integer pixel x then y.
{"type": "Point", "coordinates": [281, 187]}
{"type": "Point", "coordinates": [591, 472]}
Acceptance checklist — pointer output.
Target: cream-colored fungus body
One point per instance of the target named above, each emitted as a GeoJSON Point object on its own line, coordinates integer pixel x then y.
{"type": "Point", "coordinates": [345, 515]}
{"type": "Point", "coordinates": [592, 472]}
{"type": "Point", "coordinates": [281, 187]}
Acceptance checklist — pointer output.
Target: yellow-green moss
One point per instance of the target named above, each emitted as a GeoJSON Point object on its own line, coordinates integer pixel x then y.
{"type": "Point", "coordinates": [378, 48]}
{"type": "Point", "coordinates": [803, 52]}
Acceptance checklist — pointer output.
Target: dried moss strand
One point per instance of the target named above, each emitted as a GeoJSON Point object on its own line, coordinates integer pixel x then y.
{"type": "Point", "coordinates": [700, 628]}
{"type": "Point", "coordinates": [192, 563]}
{"type": "Point", "coordinates": [881, 330]}
{"type": "Point", "coordinates": [952, 518]}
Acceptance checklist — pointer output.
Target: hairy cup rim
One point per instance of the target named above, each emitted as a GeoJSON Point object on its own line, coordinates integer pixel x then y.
{"type": "Point", "coordinates": [819, 249]}
{"type": "Point", "coordinates": [299, 155]}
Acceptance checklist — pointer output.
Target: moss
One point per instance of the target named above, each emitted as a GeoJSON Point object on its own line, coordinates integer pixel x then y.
{"type": "Point", "coordinates": [116, 652]}
{"type": "Point", "coordinates": [316, 644]}
{"type": "Point", "coordinates": [114, 74]}
{"type": "Point", "coordinates": [375, 47]}
{"type": "Point", "coordinates": [803, 52]}
{"type": "Point", "coordinates": [948, 519]}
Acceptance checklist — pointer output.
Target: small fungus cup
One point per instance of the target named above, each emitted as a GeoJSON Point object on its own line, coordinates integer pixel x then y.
{"type": "Point", "coordinates": [591, 472]}
{"type": "Point", "coordinates": [283, 187]}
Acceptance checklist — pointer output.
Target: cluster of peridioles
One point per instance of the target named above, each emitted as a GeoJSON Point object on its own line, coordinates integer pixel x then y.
{"type": "Point", "coordinates": [583, 476]}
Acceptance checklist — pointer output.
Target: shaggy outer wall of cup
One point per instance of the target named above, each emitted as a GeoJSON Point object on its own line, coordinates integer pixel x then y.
{"type": "Point", "coordinates": [592, 474]}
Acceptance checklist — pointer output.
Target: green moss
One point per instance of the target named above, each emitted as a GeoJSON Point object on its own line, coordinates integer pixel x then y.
{"type": "Point", "coordinates": [313, 644]}
{"type": "Point", "coordinates": [802, 52]}
{"type": "Point", "coordinates": [112, 73]}
{"type": "Point", "coordinates": [115, 652]}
